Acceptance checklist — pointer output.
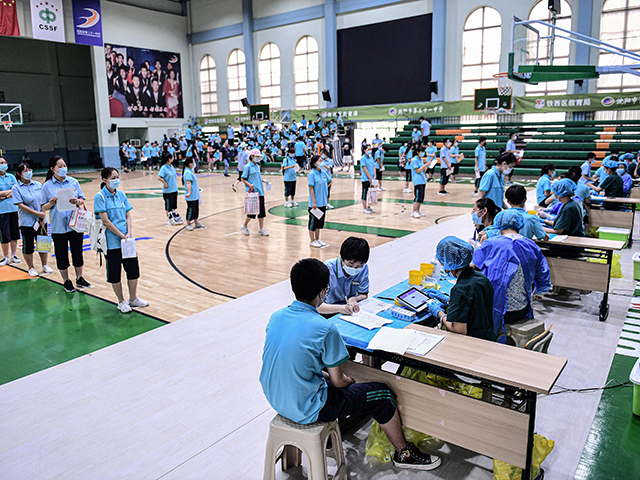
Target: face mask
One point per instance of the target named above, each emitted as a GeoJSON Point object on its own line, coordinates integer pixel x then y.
{"type": "Point", "coordinates": [115, 183]}
{"type": "Point", "coordinates": [4, 167]}
{"type": "Point", "coordinates": [27, 175]}
{"type": "Point", "coordinates": [552, 174]}
{"type": "Point", "coordinates": [351, 271]}
{"type": "Point", "coordinates": [476, 219]}
{"type": "Point", "coordinates": [368, 153]}
{"type": "Point", "coordinates": [621, 171]}
{"type": "Point", "coordinates": [323, 156]}
{"type": "Point", "coordinates": [508, 171]}
{"type": "Point", "coordinates": [62, 172]}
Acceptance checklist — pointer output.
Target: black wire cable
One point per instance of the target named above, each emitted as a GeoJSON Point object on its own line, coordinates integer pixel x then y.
{"type": "Point", "coordinates": [592, 389]}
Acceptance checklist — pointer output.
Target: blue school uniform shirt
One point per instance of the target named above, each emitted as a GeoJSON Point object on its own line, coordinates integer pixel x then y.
{"type": "Point", "coordinates": [431, 153]}
{"type": "Point", "coordinates": [289, 173]}
{"type": "Point", "coordinates": [7, 182]}
{"type": "Point", "coordinates": [532, 226]}
{"type": "Point", "coordinates": [481, 153]}
{"type": "Point", "coordinates": [59, 220]}
{"type": "Point", "coordinates": [340, 122]}
{"type": "Point", "coordinates": [299, 344]}
{"type": "Point", "coordinates": [325, 131]}
{"type": "Point", "coordinates": [367, 161]}
{"type": "Point", "coordinates": [543, 185]}
{"type": "Point", "coordinates": [493, 184]}
{"type": "Point", "coordinates": [418, 178]}
{"type": "Point", "coordinates": [426, 128]}
{"type": "Point", "coordinates": [115, 205]}
{"type": "Point", "coordinates": [183, 145]}
{"type": "Point", "coordinates": [445, 153]}
{"type": "Point", "coordinates": [586, 170]}
{"type": "Point", "coordinates": [326, 166]}
{"type": "Point", "coordinates": [511, 145]}
{"type": "Point", "coordinates": [251, 174]}
{"type": "Point", "coordinates": [299, 148]}
{"type": "Point", "coordinates": [169, 175]}
{"type": "Point", "coordinates": [195, 191]}
{"type": "Point", "coordinates": [379, 157]}
{"type": "Point", "coordinates": [319, 182]}
{"type": "Point", "coordinates": [154, 151]}
{"type": "Point", "coordinates": [188, 134]}
{"type": "Point", "coordinates": [133, 154]}
{"type": "Point", "coordinates": [146, 151]}
{"type": "Point", "coordinates": [342, 285]}
{"type": "Point", "coordinates": [29, 195]}
{"type": "Point", "coordinates": [416, 135]}
{"type": "Point", "coordinates": [454, 150]}
{"type": "Point", "coordinates": [602, 175]}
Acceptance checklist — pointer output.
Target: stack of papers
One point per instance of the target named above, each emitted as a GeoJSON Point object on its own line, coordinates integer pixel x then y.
{"type": "Point", "coordinates": [558, 238]}
{"type": "Point", "coordinates": [365, 320]}
{"type": "Point", "coordinates": [373, 306]}
{"type": "Point", "coordinates": [402, 341]}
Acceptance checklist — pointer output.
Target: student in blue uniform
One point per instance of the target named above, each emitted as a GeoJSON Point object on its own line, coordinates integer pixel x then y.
{"type": "Point", "coordinates": [569, 219]}
{"type": "Point", "coordinates": [300, 152]}
{"type": "Point", "coordinates": [456, 158]}
{"type": "Point", "coordinates": [32, 220]}
{"type": "Point", "coordinates": [327, 168]}
{"type": "Point", "coordinates": [544, 196]}
{"type": "Point", "coordinates": [470, 307]}
{"type": "Point", "coordinates": [419, 165]}
{"type": "Point", "coordinates": [191, 194]}
{"type": "Point", "coordinates": [492, 184]}
{"type": "Point", "coordinates": [586, 168]}
{"type": "Point", "coordinates": [379, 164]}
{"type": "Point", "coordinates": [445, 165]}
{"type": "Point", "coordinates": [405, 166]}
{"type": "Point", "coordinates": [416, 136]}
{"type": "Point", "coordinates": [63, 236]}
{"type": "Point", "coordinates": [425, 126]}
{"type": "Point", "coordinates": [289, 169]}
{"type": "Point", "coordinates": [432, 160]}
{"type": "Point", "coordinates": [9, 222]}
{"type": "Point", "coordinates": [146, 152]}
{"type": "Point", "coordinates": [169, 179]}
{"type": "Point", "coordinates": [480, 163]}
{"type": "Point", "coordinates": [318, 199]}
{"type": "Point", "coordinates": [367, 171]}
{"type": "Point", "coordinates": [113, 208]}
{"type": "Point", "coordinates": [511, 148]}
{"type": "Point", "coordinates": [300, 344]}
{"type": "Point", "coordinates": [484, 211]}
{"type": "Point", "coordinates": [516, 196]}
{"type": "Point", "coordinates": [253, 180]}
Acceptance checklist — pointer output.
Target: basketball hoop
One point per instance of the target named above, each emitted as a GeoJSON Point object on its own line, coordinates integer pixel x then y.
{"type": "Point", "coordinates": [505, 84]}
{"type": "Point", "coordinates": [7, 124]}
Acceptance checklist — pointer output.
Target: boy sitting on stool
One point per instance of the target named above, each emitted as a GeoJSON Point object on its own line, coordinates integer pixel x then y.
{"type": "Point", "coordinates": [300, 344]}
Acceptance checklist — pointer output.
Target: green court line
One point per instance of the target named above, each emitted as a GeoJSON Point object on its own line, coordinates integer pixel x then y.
{"type": "Point", "coordinates": [438, 204]}
{"type": "Point", "coordinates": [43, 326]}
{"type": "Point", "coordinates": [347, 227]}
{"type": "Point", "coordinates": [303, 208]}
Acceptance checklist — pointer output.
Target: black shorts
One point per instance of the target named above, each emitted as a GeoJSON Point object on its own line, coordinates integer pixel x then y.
{"type": "Point", "coordinates": [28, 240]}
{"type": "Point", "coordinates": [290, 189]}
{"type": "Point", "coordinates": [425, 140]}
{"type": "Point", "coordinates": [263, 212]}
{"type": "Point", "coordinates": [9, 230]}
{"type": "Point", "coordinates": [419, 193]}
{"type": "Point", "coordinates": [301, 159]}
{"type": "Point", "coordinates": [240, 175]}
{"type": "Point", "coordinates": [444, 179]}
{"type": "Point", "coordinates": [478, 179]}
{"type": "Point", "coordinates": [375, 399]}
{"type": "Point", "coordinates": [456, 168]}
{"type": "Point", "coordinates": [315, 223]}
{"type": "Point", "coordinates": [193, 209]}
{"type": "Point", "coordinates": [407, 175]}
{"type": "Point", "coordinates": [365, 189]}
{"type": "Point", "coordinates": [170, 201]}
{"type": "Point", "coordinates": [431, 171]}
{"type": "Point", "coordinates": [62, 242]}
{"type": "Point", "coordinates": [153, 161]}
{"type": "Point", "coordinates": [378, 174]}
{"type": "Point", "coordinates": [115, 262]}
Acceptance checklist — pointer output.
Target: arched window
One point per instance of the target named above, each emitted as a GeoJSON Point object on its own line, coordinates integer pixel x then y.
{"type": "Point", "coordinates": [269, 74]}
{"type": "Point", "coordinates": [305, 73]}
{"type": "Point", "coordinates": [236, 81]}
{"type": "Point", "coordinates": [619, 27]}
{"type": "Point", "coordinates": [561, 48]}
{"type": "Point", "coordinates": [481, 40]}
{"type": "Point", "coordinates": [208, 86]}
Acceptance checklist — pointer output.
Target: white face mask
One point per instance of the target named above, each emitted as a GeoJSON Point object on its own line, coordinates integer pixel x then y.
{"type": "Point", "coordinates": [508, 171]}
{"type": "Point", "coordinates": [351, 271]}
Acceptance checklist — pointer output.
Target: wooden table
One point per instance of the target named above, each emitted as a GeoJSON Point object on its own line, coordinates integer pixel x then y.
{"type": "Point", "coordinates": [570, 269]}
{"type": "Point", "coordinates": [614, 218]}
{"type": "Point", "coordinates": [503, 431]}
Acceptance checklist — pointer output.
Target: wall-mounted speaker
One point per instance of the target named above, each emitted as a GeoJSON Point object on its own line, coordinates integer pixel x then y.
{"type": "Point", "coordinates": [433, 88]}
{"type": "Point", "coordinates": [113, 128]}
{"type": "Point", "coordinates": [1, 97]}
{"type": "Point", "coordinates": [326, 96]}
{"type": "Point", "coordinates": [245, 102]}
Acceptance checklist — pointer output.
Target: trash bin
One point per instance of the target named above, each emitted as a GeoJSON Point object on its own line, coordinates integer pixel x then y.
{"type": "Point", "coordinates": [635, 379]}
{"type": "Point", "coordinates": [636, 266]}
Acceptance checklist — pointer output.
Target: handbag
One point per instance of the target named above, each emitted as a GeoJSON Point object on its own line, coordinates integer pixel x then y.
{"type": "Point", "coordinates": [81, 219]}
{"type": "Point", "coordinates": [98, 234]}
{"type": "Point", "coordinates": [372, 196]}
{"type": "Point", "coordinates": [252, 202]}
{"type": "Point", "coordinates": [44, 242]}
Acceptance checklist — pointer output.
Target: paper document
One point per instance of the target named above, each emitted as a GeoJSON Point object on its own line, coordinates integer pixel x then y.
{"type": "Point", "coordinates": [423, 342]}
{"type": "Point", "coordinates": [36, 226]}
{"type": "Point", "coordinates": [128, 248]}
{"type": "Point", "coordinates": [373, 306]}
{"type": "Point", "coordinates": [64, 195]}
{"type": "Point", "coordinates": [558, 238]}
{"type": "Point", "coordinates": [317, 213]}
{"type": "Point", "coordinates": [296, 168]}
{"type": "Point", "coordinates": [404, 340]}
{"type": "Point", "coordinates": [365, 320]}
{"type": "Point", "coordinates": [269, 186]}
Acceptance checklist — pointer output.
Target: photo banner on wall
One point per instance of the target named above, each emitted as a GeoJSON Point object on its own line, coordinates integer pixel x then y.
{"type": "Point", "coordinates": [87, 22]}
{"type": "Point", "coordinates": [47, 20]}
{"type": "Point", "coordinates": [143, 83]}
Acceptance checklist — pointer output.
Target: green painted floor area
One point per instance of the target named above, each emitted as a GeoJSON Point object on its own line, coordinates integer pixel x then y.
{"type": "Point", "coordinates": [42, 326]}
{"type": "Point", "coordinates": [438, 204]}
{"type": "Point", "coordinates": [347, 227]}
{"type": "Point", "coordinates": [613, 446]}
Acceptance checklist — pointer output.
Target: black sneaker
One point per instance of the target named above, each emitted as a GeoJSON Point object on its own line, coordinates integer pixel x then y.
{"type": "Point", "coordinates": [68, 286]}
{"type": "Point", "coordinates": [82, 283]}
{"type": "Point", "coordinates": [412, 457]}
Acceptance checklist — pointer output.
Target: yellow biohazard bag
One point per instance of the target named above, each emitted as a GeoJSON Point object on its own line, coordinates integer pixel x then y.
{"type": "Point", "coordinates": [616, 269]}
{"type": "Point", "coordinates": [541, 449]}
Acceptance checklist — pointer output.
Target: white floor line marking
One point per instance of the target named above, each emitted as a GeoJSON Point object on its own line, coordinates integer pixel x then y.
{"type": "Point", "coordinates": [139, 219]}
{"type": "Point", "coordinates": [232, 233]}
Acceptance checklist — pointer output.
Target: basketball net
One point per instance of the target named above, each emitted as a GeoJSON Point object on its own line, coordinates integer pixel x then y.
{"type": "Point", "coordinates": [505, 84]}
{"type": "Point", "coordinates": [7, 124]}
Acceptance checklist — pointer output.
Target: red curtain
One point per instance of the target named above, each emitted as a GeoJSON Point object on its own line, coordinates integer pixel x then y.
{"type": "Point", "coordinates": [9, 18]}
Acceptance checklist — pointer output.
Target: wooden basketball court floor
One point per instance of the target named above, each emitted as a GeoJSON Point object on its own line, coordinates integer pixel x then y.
{"type": "Point", "coordinates": [185, 272]}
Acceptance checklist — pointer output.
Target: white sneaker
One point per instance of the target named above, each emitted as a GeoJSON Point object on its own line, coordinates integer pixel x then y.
{"type": "Point", "coordinates": [33, 272]}
{"type": "Point", "coordinates": [190, 228]}
{"type": "Point", "coordinates": [294, 203]}
{"type": "Point", "coordinates": [474, 194]}
{"type": "Point", "coordinates": [124, 307]}
{"type": "Point", "coordinates": [244, 230]}
{"type": "Point", "coordinates": [406, 190]}
{"type": "Point", "coordinates": [200, 226]}
{"type": "Point", "coordinates": [5, 261]}
{"type": "Point", "coordinates": [263, 232]}
{"type": "Point", "coordinates": [422, 214]}
{"type": "Point", "coordinates": [315, 244]}
{"type": "Point", "coordinates": [47, 270]}
{"type": "Point", "coordinates": [288, 204]}
{"type": "Point", "coordinates": [15, 259]}
{"type": "Point", "coordinates": [371, 210]}
{"type": "Point", "coordinates": [368, 211]}
{"type": "Point", "coordinates": [138, 303]}
{"type": "Point", "coordinates": [233, 185]}
{"type": "Point", "coordinates": [322, 243]}
{"type": "Point", "coordinates": [382, 189]}
{"type": "Point", "coordinates": [415, 215]}
{"type": "Point", "coordinates": [329, 206]}
{"type": "Point", "coordinates": [169, 223]}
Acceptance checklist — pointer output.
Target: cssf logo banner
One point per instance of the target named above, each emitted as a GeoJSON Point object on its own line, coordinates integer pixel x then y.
{"type": "Point", "coordinates": [87, 21]}
{"type": "Point", "coordinates": [47, 20]}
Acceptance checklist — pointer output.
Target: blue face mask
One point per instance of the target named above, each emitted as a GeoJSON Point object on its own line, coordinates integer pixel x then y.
{"type": "Point", "coordinates": [621, 171]}
{"type": "Point", "coordinates": [115, 183]}
{"type": "Point", "coordinates": [62, 172]}
{"type": "Point", "coordinates": [4, 167]}
{"type": "Point", "coordinates": [552, 174]}
{"type": "Point", "coordinates": [27, 175]}
{"type": "Point", "coordinates": [476, 219]}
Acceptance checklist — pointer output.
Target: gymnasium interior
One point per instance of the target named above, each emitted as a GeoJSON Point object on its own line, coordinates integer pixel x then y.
{"type": "Point", "coordinates": [172, 391]}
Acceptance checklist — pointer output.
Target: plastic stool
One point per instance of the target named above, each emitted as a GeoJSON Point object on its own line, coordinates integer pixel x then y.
{"type": "Point", "coordinates": [520, 332]}
{"type": "Point", "coordinates": [311, 440]}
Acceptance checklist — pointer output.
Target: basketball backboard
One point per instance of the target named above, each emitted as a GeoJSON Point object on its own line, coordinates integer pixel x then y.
{"type": "Point", "coordinates": [11, 115]}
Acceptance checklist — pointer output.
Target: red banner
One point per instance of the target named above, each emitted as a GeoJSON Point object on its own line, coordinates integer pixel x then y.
{"type": "Point", "coordinates": [9, 18]}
